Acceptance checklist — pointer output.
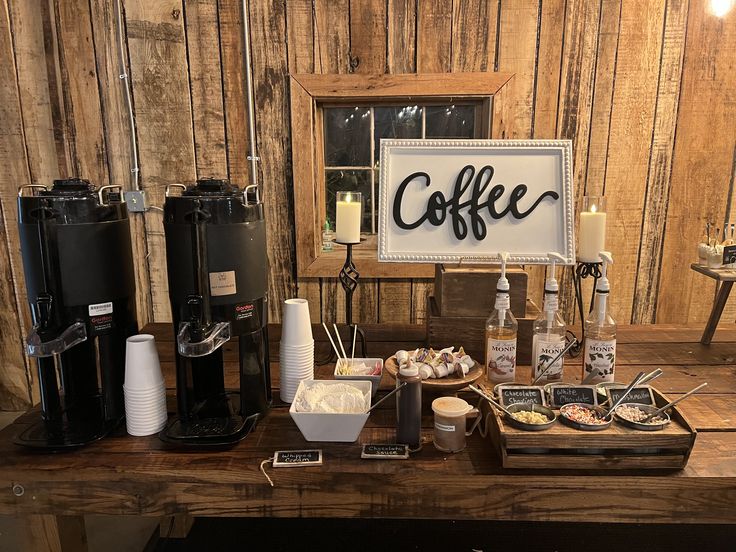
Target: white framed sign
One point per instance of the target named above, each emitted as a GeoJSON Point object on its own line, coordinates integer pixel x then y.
{"type": "Point", "coordinates": [447, 201]}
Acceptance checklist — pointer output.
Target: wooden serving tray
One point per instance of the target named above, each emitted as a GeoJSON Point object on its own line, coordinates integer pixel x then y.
{"type": "Point", "coordinates": [614, 448]}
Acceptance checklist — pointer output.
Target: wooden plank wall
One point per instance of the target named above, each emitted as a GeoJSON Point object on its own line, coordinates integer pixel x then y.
{"type": "Point", "coordinates": [643, 88]}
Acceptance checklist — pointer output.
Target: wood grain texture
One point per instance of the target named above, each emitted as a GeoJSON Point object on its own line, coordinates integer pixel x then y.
{"type": "Point", "coordinates": [368, 36]}
{"type": "Point", "coordinates": [473, 50]}
{"type": "Point", "coordinates": [401, 48]}
{"type": "Point", "coordinates": [577, 84]}
{"type": "Point", "coordinates": [434, 36]}
{"type": "Point", "coordinates": [701, 166]}
{"type": "Point", "coordinates": [27, 23]}
{"type": "Point", "coordinates": [331, 36]}
{"type": "Point", "coordinates": [233, 89]}
{"type": "Point", "coordinates": [656, 203]}
{"type": "Point", "coordinates": [53, 533]}
{"type": "Point", "coordinates": [206, 87]}
{"type": "Point", "coordinates": [632, 124]}
{"type": "Point", "coordinates": [270, 74]}
{"type": "Point", "coordinates": [14, 382]}
{"type": "Point", "coordinates": [118, 147]}
{"type": "Point", "coordinates": [549, 58]}
{"type": "Point", "coordinates": [157, 49]}
{"type": "Point", "coordinates": [78, 89]}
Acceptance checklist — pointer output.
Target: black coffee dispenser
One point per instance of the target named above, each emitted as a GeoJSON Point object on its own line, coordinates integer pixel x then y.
{"type": "Point", "coordinates": [218, 279]}
{"type": "Point", "coordinates": [78, 265]}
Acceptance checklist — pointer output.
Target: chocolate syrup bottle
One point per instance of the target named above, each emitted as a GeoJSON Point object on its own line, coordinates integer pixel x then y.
{"type": "Point", "coordinates": [409, 408]}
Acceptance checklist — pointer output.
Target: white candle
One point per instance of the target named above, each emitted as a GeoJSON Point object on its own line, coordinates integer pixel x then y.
{"type": "Point", "coordinates": [347, 219]}
{"type": "Point", "coordinates": [592, 235]}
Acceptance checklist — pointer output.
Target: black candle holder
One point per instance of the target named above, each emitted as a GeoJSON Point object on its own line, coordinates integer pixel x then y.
{"type": "Point", "coordinates": [583, 271]}
{"type": "Point", "coordinates": [349, 277]}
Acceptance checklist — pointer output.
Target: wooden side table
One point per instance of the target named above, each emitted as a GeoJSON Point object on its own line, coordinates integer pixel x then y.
{"type": "Point", "coordinates": [724, 277]}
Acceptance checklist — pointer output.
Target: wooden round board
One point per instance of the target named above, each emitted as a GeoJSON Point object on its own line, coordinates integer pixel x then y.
{"type": "Point", "coordinates": [449, 383]}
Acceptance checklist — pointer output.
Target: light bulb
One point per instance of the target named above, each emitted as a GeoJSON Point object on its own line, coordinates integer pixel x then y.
{"type": "Point", "coordinates": [720, 8]}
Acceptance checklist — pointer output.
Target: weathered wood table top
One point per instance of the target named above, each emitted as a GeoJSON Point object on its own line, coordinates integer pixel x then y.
{"type": "Point", "coordinates": [143, 476]}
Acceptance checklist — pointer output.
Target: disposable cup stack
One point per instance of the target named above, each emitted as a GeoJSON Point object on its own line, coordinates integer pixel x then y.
{"type": "Point", "coordinates": [296, 354]}
{"type": "Point", "coordinates": [144, 388]}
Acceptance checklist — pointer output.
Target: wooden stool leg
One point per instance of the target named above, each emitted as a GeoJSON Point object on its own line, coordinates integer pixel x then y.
{"type": "Point", "coordinates": [715, 314]}
{"type": "Point", "coordinates": [176, 526]}
{"type": "Point", "coordinates": [53, 533]}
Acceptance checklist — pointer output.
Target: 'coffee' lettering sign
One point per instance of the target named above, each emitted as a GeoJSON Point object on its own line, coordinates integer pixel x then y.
{"type": "Point", "coordinates": [446, 201]}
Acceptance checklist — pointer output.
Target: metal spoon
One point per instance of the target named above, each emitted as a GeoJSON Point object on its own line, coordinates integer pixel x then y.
{"type": "Point", "coordinates": [589, 377]}
{"type": "Point", "coordinates": [651, 376]}
{"type": "Point", "coordinates": [551, 363]}
{"type": "Point", "coordinates": [633, 384]}
{"type": "Point", "coordinates": [490, 400]}
{"type": "Point", "coordinates": [390, 393]}
{"type": "Point", "coordinates": [673, 403]}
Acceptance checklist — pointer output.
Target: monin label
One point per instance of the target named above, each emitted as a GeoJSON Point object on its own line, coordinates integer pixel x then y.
{"type": "Point", "coordinates": [600, 355]}
{"type": "Point", "coordinates": [501, 359]}
{"type": "Point", "coordinates": [544, 352]}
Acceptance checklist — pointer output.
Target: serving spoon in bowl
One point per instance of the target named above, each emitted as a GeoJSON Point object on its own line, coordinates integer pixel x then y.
{"type": "Point", "coordinates": [673, 403]}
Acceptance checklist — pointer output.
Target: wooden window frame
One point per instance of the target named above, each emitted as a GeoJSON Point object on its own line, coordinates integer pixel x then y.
{"type": "Point", "coordinates": [308, 93]}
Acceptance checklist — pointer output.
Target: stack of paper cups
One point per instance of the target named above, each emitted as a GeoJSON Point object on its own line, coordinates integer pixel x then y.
{"type": "Point", "coordinates": [296, 355]}
{"type": "Point", "coordinates": [144, 388]}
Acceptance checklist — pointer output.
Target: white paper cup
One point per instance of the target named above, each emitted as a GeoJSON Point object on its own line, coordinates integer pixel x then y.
{"type": "Point", "coordinates": [296, 327]}
{"type": "Point", "coordinates": [142, 368]}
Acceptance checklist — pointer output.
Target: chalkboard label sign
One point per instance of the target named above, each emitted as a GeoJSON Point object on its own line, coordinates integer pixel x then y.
{"type": "Point", "coordinates": [522, 394]}
{"type": "Point", "coordinates": [385, 452]}
{"type": "Point", "coordinates": [293, 458]}
{"type": "Point", "coordinates": [641, 395]}
{"type": "Point", "coordinates": [729, 254]}
{"type": "Point", "coordinates": [563, 395]}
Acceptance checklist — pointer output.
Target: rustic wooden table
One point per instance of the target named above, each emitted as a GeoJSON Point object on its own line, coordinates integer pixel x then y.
{"type": "Point", "coordinates": [141, 476]}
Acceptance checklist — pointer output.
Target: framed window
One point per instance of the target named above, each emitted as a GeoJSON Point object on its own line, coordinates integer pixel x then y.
{"type": "Point", "coordinates": [337, 122]}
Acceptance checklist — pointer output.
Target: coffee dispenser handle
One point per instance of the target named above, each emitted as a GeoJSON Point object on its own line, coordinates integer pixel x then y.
{"type": "Point", "coordinates": [37, 347]}
{"type": "Point", "coordinates": [215, 337]}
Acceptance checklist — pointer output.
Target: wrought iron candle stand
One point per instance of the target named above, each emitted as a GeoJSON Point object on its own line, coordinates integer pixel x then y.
{"type": "Point", "coordinates": [348, 277]}
{"type": "Point", "coordinates": [583, 271]}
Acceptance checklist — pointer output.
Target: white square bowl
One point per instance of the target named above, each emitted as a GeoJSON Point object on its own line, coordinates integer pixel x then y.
{"type": "Point", "coordinates": [375, 380]}
{"type": "Point", "coordinates": [328, 427]}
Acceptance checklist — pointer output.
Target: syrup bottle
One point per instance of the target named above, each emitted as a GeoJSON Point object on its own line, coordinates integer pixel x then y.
{"type": "Point", "coordinates": [548, 339]}
{"type": "Point", "coordinates": [600, 331]}
{"type": "Point", "coordinates": [501, 331]}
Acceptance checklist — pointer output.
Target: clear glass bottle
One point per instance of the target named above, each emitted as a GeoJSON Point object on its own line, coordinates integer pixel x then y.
{"type": "Point", "coordinates": [548, 338]}
{"type": "Point", "coordinates": [599, 351]}
{"type": "Point", "coordinates": [501, 332]}
{"type": "Point", "coordinates": [328, 236]}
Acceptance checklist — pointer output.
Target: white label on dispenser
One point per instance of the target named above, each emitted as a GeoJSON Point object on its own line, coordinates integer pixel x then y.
{"type": "Point", "coordinates": [222, 283]}
{"type": "Point", "coordinates": [100, 308]}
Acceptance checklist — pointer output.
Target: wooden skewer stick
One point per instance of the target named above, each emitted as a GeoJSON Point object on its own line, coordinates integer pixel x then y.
{"type": "Point", "coordinates": [329, 336]}
{"type": "Point", "coordinates": [337, 335]}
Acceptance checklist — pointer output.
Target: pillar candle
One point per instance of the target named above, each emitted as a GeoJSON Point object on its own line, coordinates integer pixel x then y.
{"type": "Point", "coordinates": [347, 223]}
{"type": "Point", "coordinates": [592, 235]}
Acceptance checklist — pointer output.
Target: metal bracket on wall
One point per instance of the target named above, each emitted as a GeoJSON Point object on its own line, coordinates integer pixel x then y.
{"type": "Point", "coordinates": [136, 201]}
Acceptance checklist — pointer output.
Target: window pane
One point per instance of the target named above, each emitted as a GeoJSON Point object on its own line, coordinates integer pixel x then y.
{"type": "Point", "coordinates": [452, 121]}
{"type": "Point", "coordinates": [349, 181]}
{"type": "Point", "coordinates": [396, 122]}
{"type": "Point", "coordinates": [347, 136]}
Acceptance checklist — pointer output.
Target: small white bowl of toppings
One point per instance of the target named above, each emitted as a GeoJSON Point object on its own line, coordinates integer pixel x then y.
{"type": "Point", "coordinates": [331, 410]}
{"type": "Point", "coordinates": [360, 369]}
{"type": "Point", "coordinates": [633, 415]}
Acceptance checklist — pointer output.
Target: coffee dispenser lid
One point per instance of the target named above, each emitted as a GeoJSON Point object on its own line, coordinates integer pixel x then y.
{"type": "Point", "coordinates": [212, 187]}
